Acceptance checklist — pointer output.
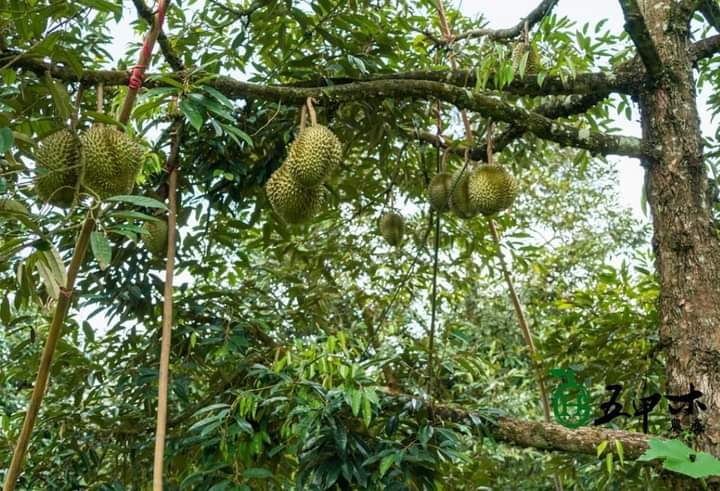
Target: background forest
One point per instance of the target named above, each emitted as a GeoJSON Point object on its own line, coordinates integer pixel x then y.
{"type": "Point", "coordinates": [303, 356]}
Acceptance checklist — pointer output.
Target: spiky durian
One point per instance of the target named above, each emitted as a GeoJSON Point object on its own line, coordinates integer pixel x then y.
{"type": "Point", "coordinates": [459, 200]}
{"type": "Point", "coordinates": [58, 165]}
{"type": "Point", "coordinates": [392, 228]}
{"type": "Point", "coordinates": [293, 202]}
{"type": "Point", "coordinates": [491, 189]}
{"type": "Point", "coordinates": [313, 155]}
{"type": "Point", "coordinates": [439, 191]}
{"type": "Point", "coordinates": [13, 206]}
{"type": "Point", "coordinates": [155, 237]}
{"type": "Point", "coordinates": [112, 161]}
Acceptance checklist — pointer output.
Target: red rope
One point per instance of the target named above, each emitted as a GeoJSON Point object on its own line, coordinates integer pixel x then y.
{"type": "Point", "coordinates": [138, 71]}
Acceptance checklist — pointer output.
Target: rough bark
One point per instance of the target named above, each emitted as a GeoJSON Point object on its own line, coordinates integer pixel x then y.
{"type": "Point", "coordinates": [685, 241]}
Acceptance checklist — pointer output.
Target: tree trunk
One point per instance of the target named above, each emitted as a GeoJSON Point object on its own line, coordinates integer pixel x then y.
{"type": "Point", "coordinates": [685, 240]}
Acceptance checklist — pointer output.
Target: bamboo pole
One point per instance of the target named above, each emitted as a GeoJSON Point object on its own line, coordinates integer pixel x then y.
{"type": "Point", "coordinates": [65, 299]}
{"type": "Point", "coordinates": [164, 372]}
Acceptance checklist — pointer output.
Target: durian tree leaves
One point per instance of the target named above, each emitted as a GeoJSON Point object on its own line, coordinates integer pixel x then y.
{"type": "Point", "coordinates": [6, 139]}
{"type": "Point", "coordinates": [51, 269]}
{"type": "Point", "coordinates": [101, 249]}
{"type": "Point", "coordinates": [142, 201]}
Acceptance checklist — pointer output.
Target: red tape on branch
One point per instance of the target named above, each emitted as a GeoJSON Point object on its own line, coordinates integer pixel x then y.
{"type": "Point", "coordinates": [137, 76]}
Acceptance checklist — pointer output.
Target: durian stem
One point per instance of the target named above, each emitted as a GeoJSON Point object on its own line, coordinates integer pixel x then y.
{"type": "Point", "coordinates": [303, 117]}
{"type": "Point", "coordinates": [433, 313]}
{"type": "Point", "coordinates": [311, 110]}
{"type": "Point", "coordinates": [164, 373]}
{"type": "Point", "coordinates": [43, 374]}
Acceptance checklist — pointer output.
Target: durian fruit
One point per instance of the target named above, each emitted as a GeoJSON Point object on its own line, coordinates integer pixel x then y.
{"type": "Point", "coordinates": [392, 228]}
{"type": "Point", "coordinates": [459, 199]}
{"type": "Point", "coordinates": [293, 202]}
{"type": "Point", "coordinates": [58, 164]}
{"type": "Point", "coordinates": [313, 156]}
{"type": "Point", "coordinates": [491, 189]}
{"type": "Point", "coordinates": [112, 161]}
{"type": "Point", "coordinates": [439, 191]}
{"type": "Point", "coordinates": [155, 237]}
{"type": "Point", "coordinates": [14, 206]}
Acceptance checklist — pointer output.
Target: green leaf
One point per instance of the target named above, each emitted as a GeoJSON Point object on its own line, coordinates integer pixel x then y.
{"type": "Point", "coordinates": [682, 459]}
{"type": "Point", "coordinates": [5, 314]}
{"type": "Point", "coordinates": [102, 118]}
{"type": "Point", "coordinates": [134, 215]}
{"type": "Point", "coordinates": [355, 400]}
{"type": "Point", "coordinates": [101, 249]}
{"type": "Point", "coordinates": [220, 97]}
{"type": "Point", "coordinates": [192, 113]}
{"type": "Point", "coordinates": [367, 411]}
{"type": "Point", "coordinates": [237, 132]}
{"type": "Point", "coordinates": [51, 285]}
{"type": "Point", "coordinates": [257, 473]}
{"type": "Point", "coordinates": [6, 139]}
{"type": "Point", "coordinates": [386, 463]}
{"type": "Point", "coordinates": [61, 99]}
{"type": "Point", "coordinates": [138, 201]}
{"type": "Point", "coordinates": [620, 451]}
{"type": "Point", "coordinates": [601, 448]}
{"type": "Point", "coordinates": [53, 260]}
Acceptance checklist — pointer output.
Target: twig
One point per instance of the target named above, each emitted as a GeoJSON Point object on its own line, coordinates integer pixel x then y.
{"type": "Point", "coordinates": [535, 16]}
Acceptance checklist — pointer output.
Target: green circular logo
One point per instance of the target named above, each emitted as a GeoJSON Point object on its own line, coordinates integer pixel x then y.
{"type": "Point", "coordinates": [571, 400]}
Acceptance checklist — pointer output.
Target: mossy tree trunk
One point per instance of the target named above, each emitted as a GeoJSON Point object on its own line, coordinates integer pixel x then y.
{"type": "Point", "coordinates": [685, 239]}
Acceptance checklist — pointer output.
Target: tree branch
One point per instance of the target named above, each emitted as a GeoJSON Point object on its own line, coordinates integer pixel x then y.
{"type": "Point", "coordinates": [168, 52]}
{"type": "Point", "coordinates": [711, 11]}
{"type": "Point", "coordinates": [553, 110]}
{"type": "Point", "coordinates": [535, 16]}
{"type": "Point", "coordinates": [637, 29]}
{"type": "Point", "coordinates": [462, 98]}
{"type": "Point", "coordinates": [705, 48]}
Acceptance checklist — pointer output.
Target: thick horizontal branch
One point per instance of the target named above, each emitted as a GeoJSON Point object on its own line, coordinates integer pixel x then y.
{"type": "Point", "coordinates": [575, 105]}
{"type": "Point", "coordinates": [535, 16]}
{"type": "Point", "coordinates": [542, 436]}
{"type": "Point", "coordinates": [637, 29]}
{"type": "Point", "coordinates": [705, 48]}
{"type": "Point", "coordinates": [625, 80]}
{"type": "Point", "coordinates": [462, 98]}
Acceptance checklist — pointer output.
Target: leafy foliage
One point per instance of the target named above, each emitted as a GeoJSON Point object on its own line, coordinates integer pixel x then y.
{"type": "Point", "coordinates": [291, 344]}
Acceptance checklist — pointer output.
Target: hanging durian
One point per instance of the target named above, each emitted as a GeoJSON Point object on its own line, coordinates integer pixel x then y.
{"type": "Point", "coordinates": [112, 161]}
{"type": "Point", "coordinates": [491, 189]}
{"type": "Point", "coordinates": [155, 237]}
{"type": "Point", "coordinates": [439, 191]}
{"type": "Point", "coordinates": [459, 200]}
{"type": "Point", "coordinates": [314, 154]}
{"type": "Point", "coordinates": [293, 202]}
{"type": "Point", "coordinates": [58, 166]}
{"type": "Point", "coordinates": [392, 228]}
